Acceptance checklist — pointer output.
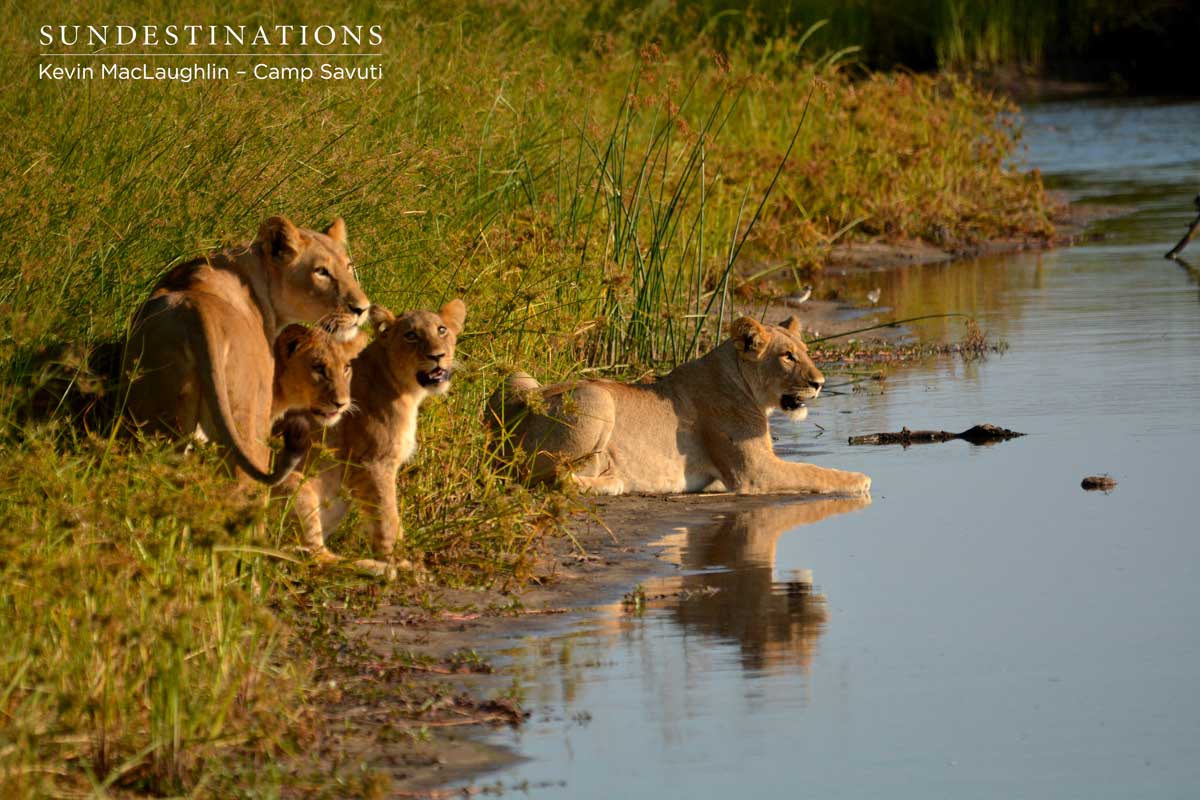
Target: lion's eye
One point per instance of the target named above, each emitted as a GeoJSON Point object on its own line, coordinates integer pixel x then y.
{"type": "Point", "coordinates": [411, 336]}
{"type": "Point", "coordinates": [319, 371]}
{"type": "Point", "coordinates": [347, 370]}
{"type": "Point", "coordinates": [324, 273]}
{"type": "Point", "coordinates": [789, 357]}
{"type": "Point", "coordinates": [442, 330]}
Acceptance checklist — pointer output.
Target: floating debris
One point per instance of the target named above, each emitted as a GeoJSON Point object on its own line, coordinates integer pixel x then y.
{"type": "Point", "coordinates": [979, 434]}
{"type": "Point", "coordinates": [1099, 483]}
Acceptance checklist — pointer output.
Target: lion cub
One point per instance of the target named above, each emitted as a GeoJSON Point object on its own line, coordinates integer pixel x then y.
{"type": "Point", "coordinates": [312, 373]}
{"type": "Point", "coordinates": [411, 359]}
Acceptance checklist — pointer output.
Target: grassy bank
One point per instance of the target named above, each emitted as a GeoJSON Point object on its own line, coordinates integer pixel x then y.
{"type": "Point", "coordinates": [586, 193]}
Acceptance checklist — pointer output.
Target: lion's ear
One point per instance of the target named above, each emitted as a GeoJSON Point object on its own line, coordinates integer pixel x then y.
{"type": "Point", "coordinates": [279, 239]}
{"type": "Point", "coordinates": [337, 231]}
{"type": "Point", "coordinates": [750, 337]}
{"type": "Point", "coordinates": [288, 340]}
{"type": "Point", "coordinates": [791, 324]}
{"type": "Point", "coordinates": [381, 318]}
{"type": "Point", "coordinates": [454, 314]}
{"type": "Point", "coordinates": [352, 348]}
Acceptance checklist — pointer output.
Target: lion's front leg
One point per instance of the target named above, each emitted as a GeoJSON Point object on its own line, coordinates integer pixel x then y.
{"type": "Point", "coordinates": [760, 471]}
{"type": "Point", "coordinates": [790, 476]}
{"type": "Point", "coordinates": [305, 497]}
{"type": "Point", "coordinates": [375, 490]}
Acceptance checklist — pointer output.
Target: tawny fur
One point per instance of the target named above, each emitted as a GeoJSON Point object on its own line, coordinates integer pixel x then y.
{"type": "Point", "coordinates": [199, 355]}
{"type": "Point", "coordinates": [703, 427]}
{"type": "Point", "coordinates": [312, 373]}
{"type": "Point", "coordinates": [367, 448]}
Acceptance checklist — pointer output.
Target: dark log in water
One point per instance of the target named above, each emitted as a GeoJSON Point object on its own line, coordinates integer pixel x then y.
{"type": "Point", "coordinates": [979, 434]}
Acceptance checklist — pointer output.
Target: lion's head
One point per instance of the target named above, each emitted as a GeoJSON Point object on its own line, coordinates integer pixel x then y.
{"type": "Point", "coordinates": [312, 276]}
{"type": "Point", "coordinates": [420, 344]}
{"type": "Point", "coordinates": [312, 372]}
{"type": "Point", "coordinates": [774, 362]}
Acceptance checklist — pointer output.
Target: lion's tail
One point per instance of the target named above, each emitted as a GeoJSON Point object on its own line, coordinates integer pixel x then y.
{"type": "Point", "coordinates": [212, 375]}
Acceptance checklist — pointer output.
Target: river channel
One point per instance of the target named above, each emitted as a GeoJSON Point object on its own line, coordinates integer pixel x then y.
{"type": "Point", "coordinates": [983, 628]}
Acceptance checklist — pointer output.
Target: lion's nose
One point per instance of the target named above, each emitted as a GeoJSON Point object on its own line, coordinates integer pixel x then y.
{"type": "Point", "coordinates": [356, 310]}
{"type": "Point", "coordinates": [436, 356]}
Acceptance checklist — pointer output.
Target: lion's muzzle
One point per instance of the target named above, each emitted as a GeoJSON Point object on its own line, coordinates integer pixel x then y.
{"type": "Point", "coordinates": [433, 377]}
{"type": "Point", "coordinates": [791, 402]}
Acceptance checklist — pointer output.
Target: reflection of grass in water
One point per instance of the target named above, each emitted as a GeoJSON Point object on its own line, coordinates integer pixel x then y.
{"type": "Point", "coordinates": [583, 200]}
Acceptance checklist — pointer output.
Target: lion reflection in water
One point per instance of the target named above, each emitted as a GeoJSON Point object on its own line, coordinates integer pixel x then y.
{"type": "Point", "coordinates": [775, 623]}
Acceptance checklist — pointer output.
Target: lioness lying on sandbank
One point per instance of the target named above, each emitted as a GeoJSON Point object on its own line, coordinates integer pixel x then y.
{"type": "Point", "coordinates": [703, 427]}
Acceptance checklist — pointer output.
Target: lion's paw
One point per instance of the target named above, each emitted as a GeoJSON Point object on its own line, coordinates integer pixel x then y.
{"type": "Point", "coordinates": [326, 556]}
{"type": "Point", "coordinates": [379, 569]}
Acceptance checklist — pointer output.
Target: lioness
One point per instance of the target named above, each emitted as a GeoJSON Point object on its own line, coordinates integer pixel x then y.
{"type": "Point", "coordinates": [198, 358]}
{"type": "Point", "coordinates": [703, 427]}
{"type": "Point", "coordinates": [411, 359]}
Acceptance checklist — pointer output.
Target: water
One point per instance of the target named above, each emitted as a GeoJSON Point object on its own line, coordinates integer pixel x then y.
{"type": "Point", "coordinates": [984, 628]}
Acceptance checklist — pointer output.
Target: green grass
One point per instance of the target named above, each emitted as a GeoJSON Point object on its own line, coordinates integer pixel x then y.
{"type": "Point", "coordinates": [592, 198]}
{"type": "Point", "coordinates": [1107, 41]}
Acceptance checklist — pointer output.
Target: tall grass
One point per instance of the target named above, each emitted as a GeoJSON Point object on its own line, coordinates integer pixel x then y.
{"type": "Point", "coordinates": [591, 198]}
{"type": "Point", "coordinates": [1145, 44]}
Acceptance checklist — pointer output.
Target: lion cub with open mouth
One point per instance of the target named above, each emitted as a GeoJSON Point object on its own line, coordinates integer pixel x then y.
{"type": "Point", "coordinates": [703, 427]}
{"type": "Point", "coordinates": [411, 358]}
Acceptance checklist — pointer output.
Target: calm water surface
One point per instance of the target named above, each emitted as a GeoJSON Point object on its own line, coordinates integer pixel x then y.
{"type": "Point", "coordinates": [984, 628]}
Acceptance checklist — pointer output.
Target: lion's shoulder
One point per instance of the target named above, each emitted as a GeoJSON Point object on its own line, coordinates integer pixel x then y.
{"type": "Point", "coordinates": [182, 277]}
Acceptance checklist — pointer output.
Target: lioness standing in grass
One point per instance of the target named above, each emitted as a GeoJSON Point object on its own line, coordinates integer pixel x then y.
{"type": "Point", "coordinates": [701, 428]}
{"type": "Point", "coordinates": [412, 358]}
{"type": "Point", "coordinates": [198, 359]}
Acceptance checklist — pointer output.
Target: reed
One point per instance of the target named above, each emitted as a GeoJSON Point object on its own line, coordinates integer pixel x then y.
{"type": "Point", "coordinates": [1096, 40]}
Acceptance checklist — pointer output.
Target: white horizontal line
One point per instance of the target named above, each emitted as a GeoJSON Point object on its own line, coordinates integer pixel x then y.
{"type": "Point", "coordinates": [214, 55]}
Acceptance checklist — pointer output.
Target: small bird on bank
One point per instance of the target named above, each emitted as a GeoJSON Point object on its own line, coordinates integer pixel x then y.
{"type": "Point", "coordinates": [874, 295]}
{"type": "Point", "coordinates": [798, 299]}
